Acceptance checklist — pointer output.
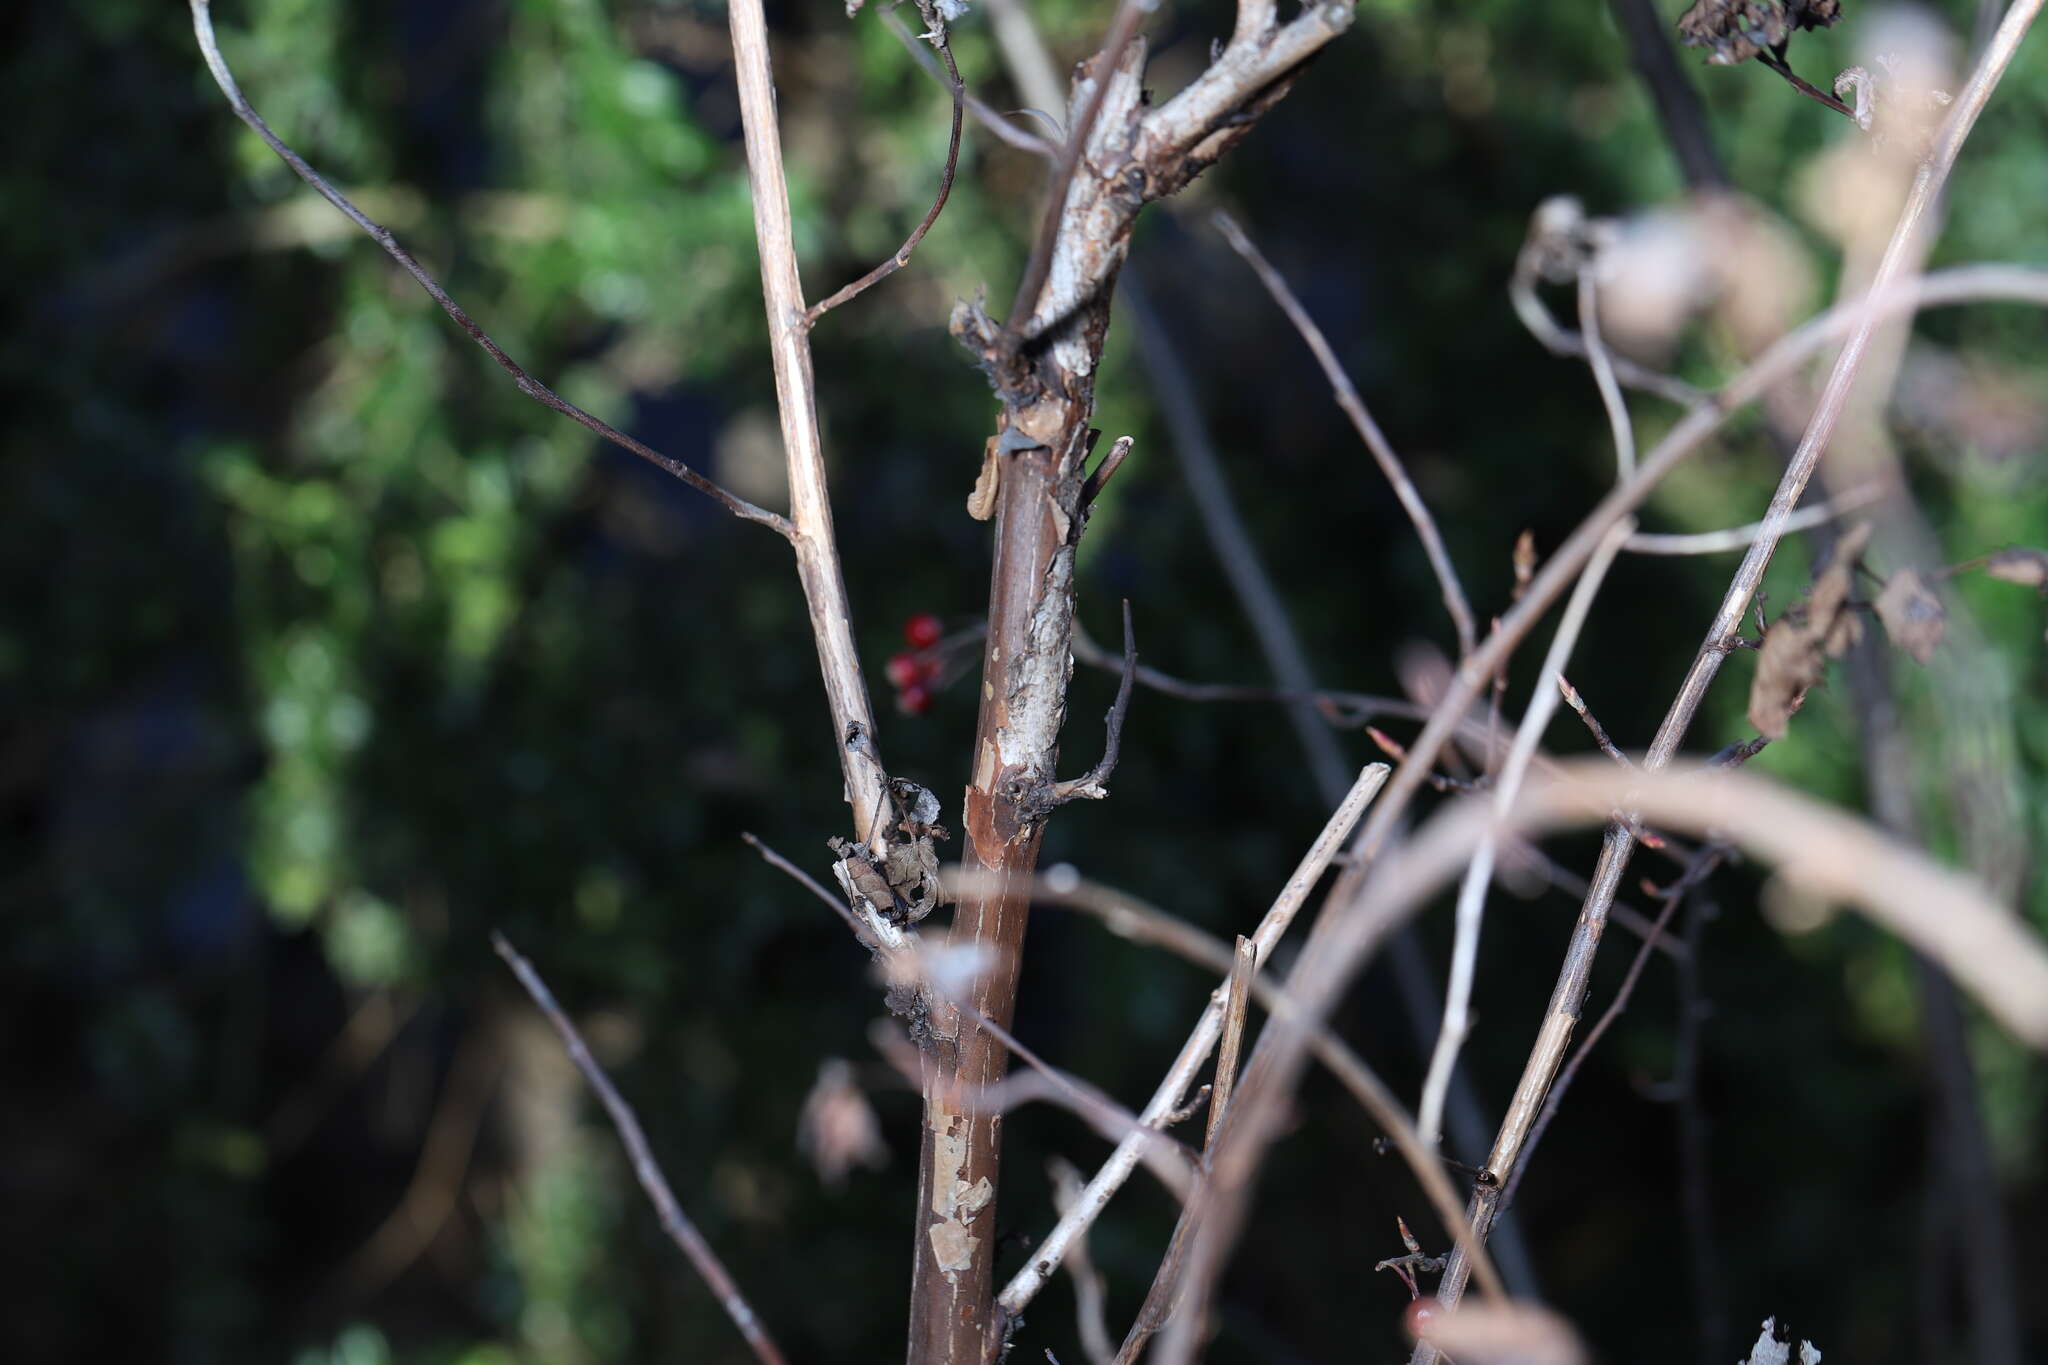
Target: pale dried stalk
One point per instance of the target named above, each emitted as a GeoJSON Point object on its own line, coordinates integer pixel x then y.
{"type": "Point", "coordinates": [1479, 876]}
{"type": "Point", "coordinates": [810, 509]}
{"type": "Point", "coordinates": [1906, 248]}
{"type": "Point", "coordinates": [1024, 1286]}
{"type": "Point", "coordinates": [1737, 537]}
{"type": "Point", "coordinates": [1603, 372]}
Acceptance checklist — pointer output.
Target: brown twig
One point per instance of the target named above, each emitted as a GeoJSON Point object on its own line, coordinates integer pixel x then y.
{"type": "Point", "coordinates": [1703, 865]}
{"type": "Point", "coordinates": [1090, 1294]}
{"type": "Point", "coordinates": [1778, 64]}
{"type": "Point", "coordinates": [1092, 785]}
{"type": "Point", "coordinates": [1362, 422]}
{"type": "Point", "coordinates": [674, 1221]}
{"type": "Point", "coordinates": [1599, 731]}
{"type": "Point", "coordinates": [984, 114]}
{"type": "Point", "coordinates": [902, 256]}
{"type": "Point", "coordinates": [209, 48]}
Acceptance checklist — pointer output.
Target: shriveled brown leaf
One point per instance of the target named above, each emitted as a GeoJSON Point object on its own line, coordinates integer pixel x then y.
{"type": "Point", "coordinates": [1799, 643]}
{"type": "Point", "coordinates": [1913, 616]}
{"type": "Point", "coordinates": [1736, 30]}
{"type": "Point", "coordinates": [838, 1129]}
{"type": "Point", "coordinates": [2027, 567]}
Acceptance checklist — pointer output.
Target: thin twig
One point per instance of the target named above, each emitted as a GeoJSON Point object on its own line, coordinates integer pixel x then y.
{"type": "Point", "coordinates": [1170, 1159]}
{"type": "Point", "coordinates": [902, 256]}
{"type": "Point", "coordinates": [875, 934]}
{"type": "Point", "coordinates": [1704, 863]}
{"type": "Point", "coordinates": [1368, 430]}
{"type": "Point", "coordinates": [1603, 371]}
{"type": "Point", "coordinates": [1092, 785]}
{"type": "Point", "coordinates": [674, 1221]}
{"type": "Point", "coordinates": [1776, 63]}
{"type": "Point", "coordinates": [984, 113]}
{"type": "Point", "coordinates": [1738, 537]}
{"type": "Point", "coordinates": [209, 47]}
{"type": "Point", "coordinates": [1195, 1051]}
{"type": "Point", "coordinates": [1479, 875]}
{"type": "Point", "coordinates": [1599, 731]}
{"type": "Point", "coordinates": [1128, 917]}
{"type": "Point", "coordinates": [1562, 341]}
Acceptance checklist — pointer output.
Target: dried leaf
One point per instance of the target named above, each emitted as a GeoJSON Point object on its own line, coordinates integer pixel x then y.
{"type": "Point", "coordinates": [1913, 616]}
{"type": "Point", "coordinates": [1737, 30]}
{"type": "Point", "coordinates": [1525, 562]}
{"type": "Point", "coordinates": [838, 1129]}
{"type": "Point", "coordinates": [1799, 643]}
{"type": "Point", "coordinates": [981, 503]}
{"type": "Point", "coordinates": [2028, 568]}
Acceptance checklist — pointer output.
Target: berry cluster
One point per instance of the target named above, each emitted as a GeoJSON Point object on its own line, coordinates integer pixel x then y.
{"type": "Point", "coordinates": [919, 671]}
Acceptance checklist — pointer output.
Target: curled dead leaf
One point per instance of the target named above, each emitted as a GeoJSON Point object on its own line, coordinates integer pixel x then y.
{"type": "Point", "coordinates": [1913, 616]}
{"type": "Point", "coordinates": [1799, 643]}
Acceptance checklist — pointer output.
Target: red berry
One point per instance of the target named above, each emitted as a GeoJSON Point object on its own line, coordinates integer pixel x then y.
{"type": "Point", "coordinates": [914, 700]}
{"type": "Point", "coordinates": [904, 670]}
{"type": "Point", "coordinates": [923, 630]}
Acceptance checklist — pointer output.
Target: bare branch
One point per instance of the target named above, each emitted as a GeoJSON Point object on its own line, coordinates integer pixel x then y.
{"type": "Point", "coordinates": [1827, 852]}
{"type": "Point", "coordinates": [810, 507]}
{"type": "Point", "coordinates": [1166, 1098]}
{"type": "Point", "coordinates": [984, 114]}
{"type": "Point", "coordinates": [674, 1221]}
{"type": "Point", "coordinates": [1703, 865]}
{"type": "Point", "coordinates": [1128, 917]}
{"type": "Point", "coordinates": [1479, 874]}
{"type": "Point", "coordinates": [902, 256]}
{"type": "Point", "coordinates": [1599, 732]}
{"type": "Point", "coordinates": [1737, 537]}
{"type": "Point", "coordinates": [209, 47]}
{"type": "Point", "coordinates": [1368, 430]}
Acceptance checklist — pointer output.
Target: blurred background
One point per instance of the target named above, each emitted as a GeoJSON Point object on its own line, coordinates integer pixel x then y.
{"type": "Point", "coordinates": [324, 653]}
